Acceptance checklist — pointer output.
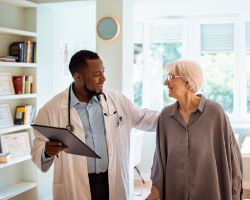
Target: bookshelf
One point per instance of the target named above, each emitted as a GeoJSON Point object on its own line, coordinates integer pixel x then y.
{"type": "Point", "coordinates": [11, 31]}
{"type": "Point", "coordinates": [17, 65]}
{"type": "Point", "coordinates": [17, 96]}
{"type": "Point", "coordinates": [18, 23]}
{"type": "Point", "coordinates": [16, 189]}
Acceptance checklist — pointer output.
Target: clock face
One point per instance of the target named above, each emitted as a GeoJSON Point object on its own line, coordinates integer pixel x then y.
{"type": "Point", "coordinates": [108, 28]}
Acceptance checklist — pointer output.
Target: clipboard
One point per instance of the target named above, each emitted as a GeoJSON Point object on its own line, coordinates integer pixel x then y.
{"type": "Point", "coordinates": [74, 144]}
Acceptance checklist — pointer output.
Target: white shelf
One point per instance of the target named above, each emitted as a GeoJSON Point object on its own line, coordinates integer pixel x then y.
{"type": "Point", "coordinates": [16, 189]}
{"type": "Point", "coordinates": [17, 96]}
{"type": "Point", "coordinates": [20, 3]}
{"type": "Point", "coordinates": [11, 31]}
{"type": "Point", "coordinates": [14, 129]}
{"type": "Point", "coordinates": [15, 161]}
{"type": "Point", "coordinates": [17, 64]}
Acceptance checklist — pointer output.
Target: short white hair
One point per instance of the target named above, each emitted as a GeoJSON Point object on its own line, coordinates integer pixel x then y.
{"type": "Point", "coordinates": [190, 72]}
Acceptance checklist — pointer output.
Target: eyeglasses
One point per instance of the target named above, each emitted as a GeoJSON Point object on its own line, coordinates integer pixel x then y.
{"type": "Point", "coordinates": [172, 76]}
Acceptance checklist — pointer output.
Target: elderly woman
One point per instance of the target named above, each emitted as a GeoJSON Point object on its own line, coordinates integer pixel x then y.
{"type": "Point", "coordinates": [197, 156]}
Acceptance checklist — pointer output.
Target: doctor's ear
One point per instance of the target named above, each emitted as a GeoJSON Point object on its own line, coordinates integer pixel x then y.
{"type": "Point", "coordinates": [77, 76]}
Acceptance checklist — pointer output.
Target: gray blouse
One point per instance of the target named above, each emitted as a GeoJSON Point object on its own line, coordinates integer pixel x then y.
{"type": "Point", "coordinates": [197, 161]}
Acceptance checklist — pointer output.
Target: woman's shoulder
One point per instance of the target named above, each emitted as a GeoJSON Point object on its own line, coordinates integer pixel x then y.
{"type": "Point", "coordinates": [214, 107]}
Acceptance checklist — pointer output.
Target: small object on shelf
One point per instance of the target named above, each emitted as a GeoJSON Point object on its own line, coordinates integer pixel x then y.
{"type": "Point", "coordinates": [17, 144]}
{"type": "Point", "coordinates": [6, 84]}
{"type": "Point", "coordinates": [8, 59]}
{"type": "Point", "coordinates": [19, 83]}
{"type": "Point", "coordinates": [20, 115]}
{"type": "Point", "coordinates": [5, 116]}
{"type": "Point", "coordinates": [4, 157]}
{"type": "Point", "coordinates": [24, 114]}
{"type": "Point", "coordinates": [28, 88]}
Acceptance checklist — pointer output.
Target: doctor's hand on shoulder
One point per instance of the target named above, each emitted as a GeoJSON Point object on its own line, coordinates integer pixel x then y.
{"type": "Point", "coordinates": [52, 148]}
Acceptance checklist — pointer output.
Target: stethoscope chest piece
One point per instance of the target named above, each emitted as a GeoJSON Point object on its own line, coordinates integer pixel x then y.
{"type": "Point", "coordinates": [70, 128]}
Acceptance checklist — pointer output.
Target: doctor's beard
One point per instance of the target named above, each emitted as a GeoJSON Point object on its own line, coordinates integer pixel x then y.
{"type": "Point", "coordinates": [92, 92]}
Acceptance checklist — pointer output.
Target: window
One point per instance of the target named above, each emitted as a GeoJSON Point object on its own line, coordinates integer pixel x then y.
{"type": "Point", "coordinates": [248, 81]}
{"type": "Point", "coordinates": [137, 74]}
{"type": "Point", "coordinates": [138, 64]}
{"type": "Point", "coordinates": [161, 54]}
{"type": "Point", "coordinates": [248, 64]}
{"type": "Point", "coordinates": [163, 44]}
{"type": "Point", "coordinates": [217, 60]}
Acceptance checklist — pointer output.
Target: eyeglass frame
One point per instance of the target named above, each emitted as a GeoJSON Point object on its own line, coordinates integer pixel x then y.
{"type": "Point", "coordinates": [172, 76]}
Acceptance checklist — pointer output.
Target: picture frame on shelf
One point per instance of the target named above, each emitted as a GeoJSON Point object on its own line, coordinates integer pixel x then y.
{"type": "Point", "coordinates": [6, 84]}
{"type": "Point", "coordinates": [5, 116]}
{"type": "Point", "coordinates": [17, 144]}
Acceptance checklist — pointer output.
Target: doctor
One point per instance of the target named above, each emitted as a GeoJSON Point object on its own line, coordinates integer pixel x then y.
{"type": "Point", "coordinates": [103, 119]}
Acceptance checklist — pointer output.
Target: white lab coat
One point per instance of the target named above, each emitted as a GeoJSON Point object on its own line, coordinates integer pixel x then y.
{"type": "Point", "coordinates": [70, 171]}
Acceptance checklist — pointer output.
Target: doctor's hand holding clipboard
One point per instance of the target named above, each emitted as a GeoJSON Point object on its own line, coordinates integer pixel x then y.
{"type": "Point", "coordinates": [52, 148]}
{"type": "Point", "coordinates": [61, 139]}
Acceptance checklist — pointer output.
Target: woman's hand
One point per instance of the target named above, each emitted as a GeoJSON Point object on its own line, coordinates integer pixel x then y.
{"type": "Point", "coordinates": [154, 194]}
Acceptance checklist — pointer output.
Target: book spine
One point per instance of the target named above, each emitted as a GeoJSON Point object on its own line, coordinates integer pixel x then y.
{"type": "Point", "coordinates": [18, 84]}
{"type": "Point", "coordinates": [20, 117]}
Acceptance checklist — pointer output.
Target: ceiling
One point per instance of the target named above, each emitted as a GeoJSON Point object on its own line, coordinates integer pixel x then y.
{"type": "Point", "coordinates": [53, 1]}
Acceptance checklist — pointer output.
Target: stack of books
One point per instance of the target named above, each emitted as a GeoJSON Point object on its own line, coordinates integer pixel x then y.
{"type": "Point", "coordinates": [24, 51]}
{"type": "Point", "coordinates": [23, 84]}
{"type": "Point", "coordinates": [24, 114]}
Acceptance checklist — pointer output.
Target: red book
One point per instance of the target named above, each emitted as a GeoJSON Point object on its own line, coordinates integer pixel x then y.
{"type": "Point", "coordinates": [18, 82]}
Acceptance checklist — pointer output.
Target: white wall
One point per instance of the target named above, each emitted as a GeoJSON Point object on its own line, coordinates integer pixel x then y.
{"type": "Point", "coordinates": [59, 24]}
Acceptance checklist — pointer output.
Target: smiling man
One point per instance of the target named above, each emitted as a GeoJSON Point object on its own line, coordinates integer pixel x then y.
{"type": "Point", "coordinates": [103, 119]}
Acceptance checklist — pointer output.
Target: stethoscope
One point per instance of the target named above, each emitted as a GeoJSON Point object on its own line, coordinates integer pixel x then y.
{"type": "Point", "coordinates": [107, 113]}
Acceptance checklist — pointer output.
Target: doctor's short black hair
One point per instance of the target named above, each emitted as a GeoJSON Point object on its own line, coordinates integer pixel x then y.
{"type": "Point", "coordinates": [79, 60]}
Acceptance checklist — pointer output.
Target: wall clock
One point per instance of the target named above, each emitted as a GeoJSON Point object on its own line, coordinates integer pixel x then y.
{"type": "Point", "coordinates": [108, 28]}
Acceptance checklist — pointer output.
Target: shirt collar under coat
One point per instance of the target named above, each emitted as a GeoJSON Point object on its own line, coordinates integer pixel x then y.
{"type": "Point", "coordinates": [199, 108]}
{"type": "Point", "coordinates": [74, 100]}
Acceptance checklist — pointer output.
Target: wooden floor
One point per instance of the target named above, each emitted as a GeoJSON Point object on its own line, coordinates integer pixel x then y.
{"type": "Point", "coordinates": [141, 190]}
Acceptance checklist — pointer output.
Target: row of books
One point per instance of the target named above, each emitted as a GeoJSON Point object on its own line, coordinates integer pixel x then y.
{"type": "Point", "coordinates": [24, 114]}
{"type": "Point", "coordinates": [23, 51]}
{"type": "Point", "coordinates": [23, 84]}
